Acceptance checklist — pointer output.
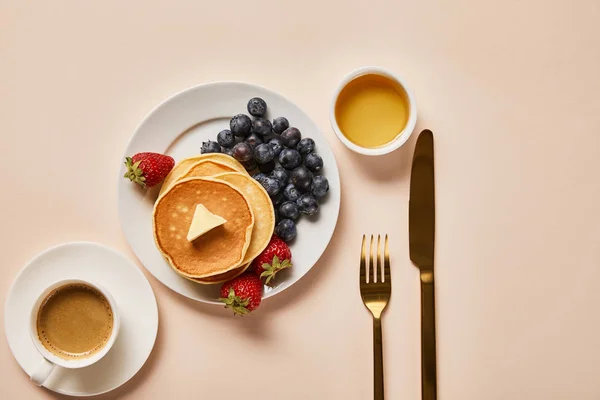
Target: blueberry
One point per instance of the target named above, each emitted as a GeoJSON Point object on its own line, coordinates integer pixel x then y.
{"type": "Point", "coordinates": [280, 174]}
{"type": "Point", "coordinates": [268, 167]}
{"type": "Point", "coordinates": [257, 107]}
{"type": "Point", "coordinates": [280, 124]}
{"type": "Point", "coordinates": [261, 126]}
{"type": "Point", "coordinates": [271, 185]}
{"type": "Point", "coordinates": [240, 125]}
{"type": "Point", "coordinates": [242, 152]}
{"type": "Point", "coordinates": [278, 199]}
{"type": "Point", "coordinates": [301, 178]}
{"type": "Point", "coordinates": [286, 229]}
{"type": "Point", "coordinates": [259, 177]}
{"type": "Point", "coordinates": [277, 216]}
{"type": "Point", "coordinates": [276, 144]}
{"type": "Point", "coordinates": [289, 209]}
{"type": "Point", "coordinates": [263, 153]}
{"type": "Point", "coordinates": [227, 150]}
{"type": "Point", "coordinates": [210, 147]}
{"type": "Point", "coordinates": [250, 165]}
{"type": "Point", "coordinates": [226, 138]}
{"type": "Point", "coordinates": [253, 140]}
{"type": "Point", "coordinates": [291, 137]}
{"type": "Point", "coordinates": [290, 158]}
{"type": "Point", "coordinates": [320, 186]}
{"type": "Point", "coordinates": [282, 184]}
{"type": "Point", "coordinates": [291, 192]}
{"type": "Point", "coordinates": [307, 204]}
{"type": "Point", "coordinates": [305, 146]}
{"type": "Point", "coordinates": [313, 162]}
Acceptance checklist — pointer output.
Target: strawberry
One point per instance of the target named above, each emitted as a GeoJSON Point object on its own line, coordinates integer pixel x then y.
{"type": "Point", "coordinates": [273, 259]}
{"type": "Point", "coordinates": [148, 169]}
{"type": "Point", "coordinates": [242, 294]}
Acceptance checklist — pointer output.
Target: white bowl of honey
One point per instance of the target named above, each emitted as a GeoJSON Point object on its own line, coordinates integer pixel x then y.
{"type": "Point", "coordinates": [373, 112]}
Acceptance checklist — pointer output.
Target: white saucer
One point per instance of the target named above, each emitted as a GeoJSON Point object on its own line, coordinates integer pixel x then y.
{"type": "Point", "coordinates": [124, 281]}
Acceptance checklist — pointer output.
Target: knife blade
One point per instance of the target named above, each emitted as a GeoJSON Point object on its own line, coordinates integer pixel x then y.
{"type": "Point", "coordinates": [421, 209]}
{"type": "Point", "coordinates": [421, 227]}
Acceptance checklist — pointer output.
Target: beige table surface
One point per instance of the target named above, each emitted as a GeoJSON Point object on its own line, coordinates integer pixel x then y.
{"type": "Point", "coordinates": [511, 91]}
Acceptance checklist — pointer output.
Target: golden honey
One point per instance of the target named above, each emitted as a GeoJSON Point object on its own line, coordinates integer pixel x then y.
{"type": "Point", "coordinates": [372, 110]}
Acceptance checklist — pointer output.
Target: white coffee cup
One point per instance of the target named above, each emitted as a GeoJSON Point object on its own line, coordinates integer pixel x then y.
{"type": "Point", "coordinates": [50, 360]}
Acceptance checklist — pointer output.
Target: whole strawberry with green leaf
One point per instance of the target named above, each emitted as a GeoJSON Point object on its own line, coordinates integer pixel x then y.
{"type": "Point", "coordinates": [242, 294]}
{"type": "Point", "coordinates": [148, 169]}
{"type": "Point", "coordinates": [275, 257]}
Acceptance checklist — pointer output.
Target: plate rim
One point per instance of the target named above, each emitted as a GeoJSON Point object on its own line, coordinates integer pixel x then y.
{"type": "Point", "coordinates": [215, 84]}
{"type": "Point", "coordinates": [44, 253]}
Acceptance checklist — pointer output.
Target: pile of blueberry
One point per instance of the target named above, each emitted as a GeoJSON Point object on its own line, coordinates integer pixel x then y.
{"type": "Point", "coordinates": [277, 156]}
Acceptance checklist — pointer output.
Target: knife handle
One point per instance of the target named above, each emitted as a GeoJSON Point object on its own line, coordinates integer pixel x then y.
{"type": "Point", "coordinates": [428, 350]}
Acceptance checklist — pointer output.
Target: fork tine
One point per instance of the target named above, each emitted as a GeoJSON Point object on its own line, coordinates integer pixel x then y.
{"type": "Point", "coordinates": [379, 266]}
{"type": "Point", "coordinates": [363, 260]}
{"type": "Point", "coordinates": [386, 262]}
{"type": "Point", "coordinates": [372, 266]}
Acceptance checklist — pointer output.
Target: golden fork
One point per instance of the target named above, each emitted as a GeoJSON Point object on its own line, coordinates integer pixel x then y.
{"type": "Point", "coordinates": [375, 290]}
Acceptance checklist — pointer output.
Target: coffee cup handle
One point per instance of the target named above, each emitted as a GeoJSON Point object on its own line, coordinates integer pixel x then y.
{"type": "Point", "coordinates": [42, 372]}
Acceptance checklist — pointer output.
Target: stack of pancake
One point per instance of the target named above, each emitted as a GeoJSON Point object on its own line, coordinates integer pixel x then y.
{"type": "Point", "coordinates": [223, 186]}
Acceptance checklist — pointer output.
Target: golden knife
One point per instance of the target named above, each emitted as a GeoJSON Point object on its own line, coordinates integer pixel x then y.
{"type": "Point", "coordinates": [421, 227]}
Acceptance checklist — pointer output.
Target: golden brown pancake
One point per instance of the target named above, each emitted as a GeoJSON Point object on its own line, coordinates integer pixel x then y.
{"type": "Point", "coordinates": [262, 208]}
{"type": "Point", "coordinates": [183, 167]}
{"type": "Point", "coordinates": [217, 251]}
{"type": "Point", "coordinates": [207, 168]}
{"type": "Point", "coordinates": [220, 278]}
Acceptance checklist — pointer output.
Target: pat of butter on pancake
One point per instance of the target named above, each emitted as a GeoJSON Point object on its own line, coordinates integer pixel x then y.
{"type": "Point", "coordinates": [202, 222]}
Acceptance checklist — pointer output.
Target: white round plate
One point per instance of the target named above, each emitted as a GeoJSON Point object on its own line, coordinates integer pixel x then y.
{"type": "Point", "coordinates": [178, 127]}
{"type": "Point", "coordinates": [131, 291]}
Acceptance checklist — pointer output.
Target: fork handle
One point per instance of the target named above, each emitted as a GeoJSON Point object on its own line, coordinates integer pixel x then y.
{"type": "Point", "coordinates": [428, 350]}
{"type": "Point", "coordinates": [377, 359]}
